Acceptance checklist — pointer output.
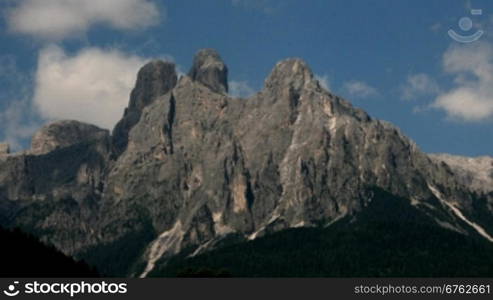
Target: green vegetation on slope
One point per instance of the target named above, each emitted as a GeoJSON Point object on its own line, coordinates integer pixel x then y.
{"type": "Point", "coordinates": [388, 238]}
{"type": "Point", "coordinates": [23, 255]}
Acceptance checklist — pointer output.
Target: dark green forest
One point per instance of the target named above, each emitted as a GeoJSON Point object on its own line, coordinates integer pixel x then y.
{"type": "Point", "coordinates": [390, 238]}
{"type": "Point", "coordinates": [23, 255]}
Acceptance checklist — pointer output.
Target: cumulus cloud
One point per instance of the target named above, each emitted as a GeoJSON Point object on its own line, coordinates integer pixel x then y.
{"type": "Point", "coordinates": [360, 89]}
{"type": "Point", "coordinates": [240, 89]}
{"type": "Point", "coordinates": [17, 118]}
{"type": "Point", "coordinates": [418, 85]}
{"type": "Point", "coordinates": [324, 81]}
{"type": "Point", "coordinates": [57, 19]}
{"type": "Point", "coordinates": [471, 99]}
{"type": "Point", "coordinates": [91, 86]}
{"type": "Point", "coordinates": [18, 123]}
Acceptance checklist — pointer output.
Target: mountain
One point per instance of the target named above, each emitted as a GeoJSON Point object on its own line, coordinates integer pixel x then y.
{"type": "Point", "coordinates": [404, 243]}
{"type": "Point", "coordinates": [474, 172]}
{"type": "Point", "coordinates": [190, 169]}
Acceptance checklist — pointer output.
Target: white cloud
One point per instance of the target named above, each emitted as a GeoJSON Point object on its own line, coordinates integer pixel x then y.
{"type": "Point", "coordinates": [419, 85]}
{"type": "Point", "coordinates": [57, 19]}
{"type": "Point", "coordinates": [472, 97]}
{"type": "Point", "coordinates": [18, 123]}
{"type": "Point", "coordinates": [17, 118]}
{"type": "Point", "coordinates": [92, 86]}
{"type": "Point", "coordinates": [359, 89]}
{"type": "Point", "coordinates": [324, 81]}
{"type": "Point", "coordinates": [240, 89]}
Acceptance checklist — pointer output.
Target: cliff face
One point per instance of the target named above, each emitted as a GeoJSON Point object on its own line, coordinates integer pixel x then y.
{"type": "Point", "coordinates": [188, 166]}
{"type": "Point", "coordinates": [476, 173]}
{"type": "Point", "coordinates": [4, 149]}
{"type": "Point", "coordinates": [154, 79]}
{"type": "Point", "coordinates": [53, 189]}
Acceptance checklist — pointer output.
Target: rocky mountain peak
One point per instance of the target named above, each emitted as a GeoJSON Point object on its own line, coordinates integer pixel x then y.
{"type": "Point", "coordinates": [201, 166]}
{"type": "Point", "coordinates": [62, 134]}
{"type": "Point", "coordinates": [209, 69]}
{"type": "Point", "coordinates": [292, 72]}
{"type": "Point", "coordinates": [154, 79]}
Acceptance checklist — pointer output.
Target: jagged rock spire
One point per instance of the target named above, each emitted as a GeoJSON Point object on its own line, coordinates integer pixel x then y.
{"type": "Point", "coordinates": [293, 72]}
{"type": "Point", "coordinates": [209, 69]}
{"type": "Point", "coordinates": [203, 166]}
{"type": "Point", "coordinates": [154, 79]}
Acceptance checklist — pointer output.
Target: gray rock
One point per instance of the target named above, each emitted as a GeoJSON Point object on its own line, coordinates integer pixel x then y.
{"type": "Point", "coordinates": [4, 149]}
{"type": "Point", "coordinates": [53, 189]}
{"type": "Point", "coordinates": [155, 79]}
{"type": "Point", "coordinates": [209, 69]}
{"type": "Point", "coordinates": [474, 172]}
{"type": "Point", "coordinates": [198, 166]}
{"type": "Point", "coordinates": [62, 134]}
{"type": "Point", "coordinates": [293, 73]}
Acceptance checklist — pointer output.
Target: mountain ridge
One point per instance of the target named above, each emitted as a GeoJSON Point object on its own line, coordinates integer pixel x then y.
{"type": "Point", "coordinates": [189, 166]}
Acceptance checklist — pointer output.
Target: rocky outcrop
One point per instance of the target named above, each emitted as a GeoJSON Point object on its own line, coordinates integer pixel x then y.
{"type": "Point", "coordinates": [474, 172]}
{"type": "Point", "coordinates": [293, 155]}
{"type": "Point", "coordinates": [194, 166]}
{"type": "Point", "coordinates": [154, 79]}
{"type": "Point", "coordinates": [62, 134]}
{"type": "Point", "coordinates": [4, 149]}
{"type": "Point", "coordinates": [209, 69]}
{"type": "Point", "coordinates": [52, 190]}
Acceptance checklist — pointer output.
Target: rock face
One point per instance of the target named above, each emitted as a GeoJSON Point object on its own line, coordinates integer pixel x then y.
{"type": "Point", "coordinates": [53, 189]}
{"type": "Point", "coordinates": [476, 173]}
{"type": "Point", "coordinates": [193, 166]}
{"type": "Point", "coordinates": [62, 134]}
{"type": "Point", "coordinates": [155, 79]}
{"type": "Point", "coordinates": [4, 149]}
{"type": "Point", "coordinates": [209, 69]}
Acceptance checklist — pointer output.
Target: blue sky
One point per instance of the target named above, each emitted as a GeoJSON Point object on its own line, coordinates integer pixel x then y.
{"type": "Point", "coordinates": [77, 59]}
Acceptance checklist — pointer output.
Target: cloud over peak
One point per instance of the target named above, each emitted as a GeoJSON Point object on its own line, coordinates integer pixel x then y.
{"type": "Point", "coordinates": [240, 89]}
{"type": "Point", "coordinates": [418, 85]}
{"type": "Point", "coordinates": [360, 89]}
{"type": "Point", "coordinates": [471, 99]}
{"type": "Point", "coordinates": [323, 80]}
{"type": "Point", "coordinates": [91, 86]}
{"type": "Point", "coordinates": [58, 19]}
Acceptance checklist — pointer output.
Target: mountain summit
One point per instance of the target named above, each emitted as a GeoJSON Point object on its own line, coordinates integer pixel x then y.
{"type": "Point", "coordinates": [188, 168]}
{"type": "Point", "coordinates": [209, 69]}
